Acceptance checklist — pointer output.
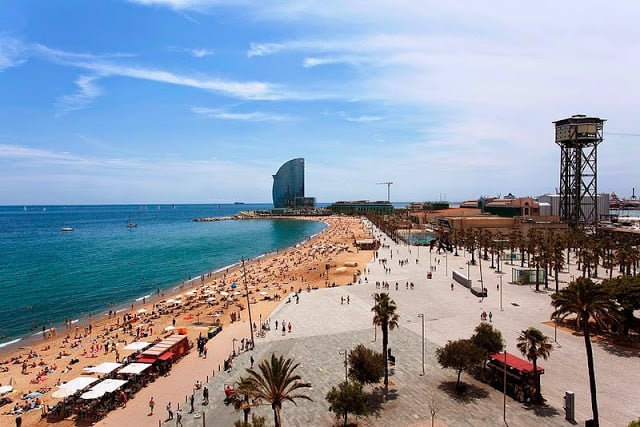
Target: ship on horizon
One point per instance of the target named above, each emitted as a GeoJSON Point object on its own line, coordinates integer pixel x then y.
{"type": "Point", "coordinates": [624, 204]}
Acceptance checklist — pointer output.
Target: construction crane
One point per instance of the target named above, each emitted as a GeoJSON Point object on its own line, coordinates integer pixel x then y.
{"type": "Point", "coordinates": [388, 184]}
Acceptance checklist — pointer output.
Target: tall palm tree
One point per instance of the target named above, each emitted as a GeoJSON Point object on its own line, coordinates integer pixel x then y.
{"type": "Point", "coordinates": [533, 344]}
{"type": "Point", "coordinates": [274, 382]}
{"type": "Point", "coordinates": [384, 315]}
{"type": "Point", "coordinates": [586, 300]}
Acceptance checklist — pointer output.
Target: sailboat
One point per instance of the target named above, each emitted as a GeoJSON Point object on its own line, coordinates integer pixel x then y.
{"type": "Point", "coordinates": [131, 224]}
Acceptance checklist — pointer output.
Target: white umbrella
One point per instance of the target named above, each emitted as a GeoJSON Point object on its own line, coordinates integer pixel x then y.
{"type": "Point", "coordinates": [263, 293]}
{"type": "Point", "coordinates": [91, 394]}
{"type": "Point", "coordinates": [169, 328]}
{"type": "Point", "coordinates": [5, 389]}
{"type": "Point", "coordinates": [142, 310]}
{"type": "Point", "coordinates": [211, 299]}
{"type": "Point", "coordinates": [63, 392]}
{"type": "Point", "coordinates": [237, 293]}
{"type": "Point", "coordinates": [224, 293]}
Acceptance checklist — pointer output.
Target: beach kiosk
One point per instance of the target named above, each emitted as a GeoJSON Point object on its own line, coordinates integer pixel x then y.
{"type": "Point", "coordinates": [521, 381]}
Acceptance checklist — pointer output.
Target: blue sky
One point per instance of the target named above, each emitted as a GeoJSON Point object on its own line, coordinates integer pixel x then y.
{"type": "Point", "coordinates": [187, 101]}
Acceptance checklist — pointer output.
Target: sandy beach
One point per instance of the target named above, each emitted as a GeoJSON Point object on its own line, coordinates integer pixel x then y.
{"type": "Point", "coordinates": [193, 306]}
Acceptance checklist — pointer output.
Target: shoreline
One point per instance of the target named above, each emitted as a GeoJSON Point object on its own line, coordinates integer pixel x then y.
{"type": "Point", "coordinates": [278, 272]}
{"type": "Point", "coordinates": [32, 337]}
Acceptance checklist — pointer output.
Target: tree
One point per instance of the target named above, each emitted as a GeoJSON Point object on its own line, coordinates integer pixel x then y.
{"type": "Point", "coordinates": [256, 421]}
{"type": "Point", "coordinates": [488, 339]}
{"type": "Point", "coordinates": [347, 397]}
{"type": "Point", "coordinates": [461, 355]}
{"type": "Point", "coordinates": [384, 315]}
{"type": "Point", "coordinates": [625, 290]}
{"type": "Point", "coordinates": [275, 382]}
{"type": "Point", "coordinates": [586, 300]}
{"type": "Point", "coordinates": [365, 365]}
{"type": "Point", "coordinates": [533, 344]}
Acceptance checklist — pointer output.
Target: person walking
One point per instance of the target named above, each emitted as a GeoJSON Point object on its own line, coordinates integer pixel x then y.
{"type": "Point", "coordinates": [251, 359]}
{"type": "Point", "coordinates": [178, 419]}
{"type": "Point", "coordinates": [19, 420]}
{"type": "Point", "coordinates": [490, 316]}
{"type": "Point", "coordinates": [205, 396]}
{"type": "Point", "coordinates": [170, 411]}
{"type": "Point", "coordinates": [191, 399]}
{"type": "Point", "coordinates": [284, 329]}
{"type": "Point", "coordinates": [151, 405]}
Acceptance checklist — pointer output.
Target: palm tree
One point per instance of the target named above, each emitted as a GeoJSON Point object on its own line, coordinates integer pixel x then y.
{"type": "Point", "coordinates": [384, 315]}
{"type": "Point", "coordinates": [274, 382]}
{"type": "Point", "coordinates": [586, 300]}
{"type": "Point", "coordinates": [533, 344]}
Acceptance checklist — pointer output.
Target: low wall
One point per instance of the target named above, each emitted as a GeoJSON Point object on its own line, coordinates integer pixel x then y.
{"type": "Point", "coordinates": [461, 278]}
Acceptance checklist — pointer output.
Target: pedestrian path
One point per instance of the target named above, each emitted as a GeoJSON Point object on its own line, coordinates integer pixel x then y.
{"type": "Point", "coordinates": [322, 327]}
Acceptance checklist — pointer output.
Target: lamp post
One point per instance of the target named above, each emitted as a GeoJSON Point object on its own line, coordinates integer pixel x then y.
{"type": "Point", "coordinates": [501, 293]}
{"type": "Point", "coordinates": [504, 390]}
{"type": "Point", "coordinates": [446, 263]}
{"type": "Point", "coordinates": [421, 316]}
{"type": "Point", "coordinates": [246, 290]}
{"type": "Point", "coordinates": [346, 379]}
{"type": "Point", "coordinates": [346, 372]}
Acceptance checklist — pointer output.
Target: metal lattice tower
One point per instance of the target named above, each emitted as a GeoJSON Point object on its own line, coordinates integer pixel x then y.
{"type": "Point", "coordinates": [578, 138]}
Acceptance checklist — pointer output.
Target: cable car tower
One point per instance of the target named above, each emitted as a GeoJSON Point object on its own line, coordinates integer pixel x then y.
{"type": "Point", "coordinates": [578, 138]}
{"type": "Point", "coordinates": [388, 184]}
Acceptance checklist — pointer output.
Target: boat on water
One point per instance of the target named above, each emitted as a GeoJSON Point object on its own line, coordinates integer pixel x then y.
{"type": "Point", "coordinates": [131, 224]}
{"type": "Point", "coordinates": [66, 228]}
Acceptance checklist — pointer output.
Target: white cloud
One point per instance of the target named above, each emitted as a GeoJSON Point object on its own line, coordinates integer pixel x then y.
{"type": "Point", "coordinates": [12, 53]}
{"type": "Point", "coordinates": [359, 119]}
{"type": "Point", "coordinates": [250, 117]}
{"type": "Point", "coordinates": [247, 90]}
{"type": "Point", "coordinates": [87, 92]}
{"type": "Point", "coordinates": [201, 53]}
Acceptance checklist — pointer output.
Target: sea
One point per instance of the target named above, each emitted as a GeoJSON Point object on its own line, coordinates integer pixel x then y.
{"type": "Point", "coordinates": [48, 276]}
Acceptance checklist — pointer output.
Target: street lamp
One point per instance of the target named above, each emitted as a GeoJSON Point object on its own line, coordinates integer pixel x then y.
{"type": "Point", "coordinates": [246, 290]}
{"type": "Point", "coordinates": [501, 293]}
{"type": "Point", "coordinates": [421, 316]}
{"type": "Point", "coordinates": [504, 390]}
{"type": "Point", "coordinates": [346, 373]}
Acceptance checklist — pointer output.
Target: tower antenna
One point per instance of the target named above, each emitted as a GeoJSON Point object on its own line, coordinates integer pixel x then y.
{"type": "Point", "coordinates": [388, 184]}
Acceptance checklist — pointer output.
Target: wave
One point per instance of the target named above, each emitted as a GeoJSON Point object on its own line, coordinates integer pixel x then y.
{"type": "Point", "coordinates": [8, 343]}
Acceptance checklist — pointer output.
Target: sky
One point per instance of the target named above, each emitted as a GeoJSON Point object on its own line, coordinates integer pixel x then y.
{"type": "Point", "coordinates": [201, 101]}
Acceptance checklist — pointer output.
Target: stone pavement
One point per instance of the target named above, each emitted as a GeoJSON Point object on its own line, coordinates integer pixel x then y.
{"type": "Point", "coordinates": [322, 327]}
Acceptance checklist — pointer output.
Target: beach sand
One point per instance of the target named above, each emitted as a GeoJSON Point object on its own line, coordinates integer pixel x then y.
{"type": "Point", "coordinates": [275, 276]}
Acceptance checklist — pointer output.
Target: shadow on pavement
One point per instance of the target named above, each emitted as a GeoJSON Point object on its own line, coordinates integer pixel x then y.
{"type": "Point", "coordinates": [469, 392]}
{"type": "Point", "coordinates": [543, 410]}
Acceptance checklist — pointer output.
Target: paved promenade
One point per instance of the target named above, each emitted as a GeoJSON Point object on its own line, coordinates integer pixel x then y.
{"type": "Point", "coordinates": [322, 327]}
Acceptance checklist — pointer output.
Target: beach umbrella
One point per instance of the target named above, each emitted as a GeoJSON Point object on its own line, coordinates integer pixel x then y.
{"type": "Point", "coordinates": [263, 293]}
{"type": "Point", "coordinates": [142, 310]}
{"type": "Point", "coordinates": [63, 392]}
{"type": "Point", "coordinates": [5, 389]}
{"type": "Point", "coordinates": [211, 299]}
{"type": "Point", "coordinates": [169, 328]}
{"type": "Point", "coordinates": [237, 293]}
{"type": "Point", "coordinates": [224, 293]}
{"type": "Point", "coordinates": [233, 285]}
{"type": "Point", "coordinates": [91, 394]}
{"type": "Point", "coordinates": [32, 395]}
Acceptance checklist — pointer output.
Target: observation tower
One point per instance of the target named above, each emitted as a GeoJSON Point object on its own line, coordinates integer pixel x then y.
{"type": "Point", "coordinates": [578, 137]}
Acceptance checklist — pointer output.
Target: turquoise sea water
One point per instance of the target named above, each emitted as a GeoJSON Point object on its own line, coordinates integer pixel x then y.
{"type": "Point", "coordinates": [47, 276]}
